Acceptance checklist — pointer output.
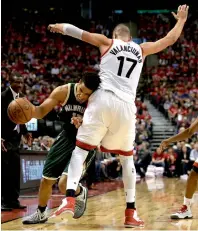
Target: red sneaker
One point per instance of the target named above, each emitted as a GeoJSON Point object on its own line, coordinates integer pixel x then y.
{"type": "Point", "coordinates": [131, 219]}
{"type": "Point", "coordinates": [67, 206]}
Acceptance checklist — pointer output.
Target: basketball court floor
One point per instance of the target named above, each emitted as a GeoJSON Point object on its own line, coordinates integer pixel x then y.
{"type": "Point", "coordinates": [156, 199]}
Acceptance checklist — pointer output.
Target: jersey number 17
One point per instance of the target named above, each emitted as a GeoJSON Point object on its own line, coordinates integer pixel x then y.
{"type": "Point", "coordinates": [122, 60]}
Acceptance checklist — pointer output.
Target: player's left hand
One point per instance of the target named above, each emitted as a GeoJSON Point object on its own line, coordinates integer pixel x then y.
{"type": "Point", "coordinates": [56, 28]}
{"type": "Point", "coordinates": [182, 12]}
{"type": "Point", "coordinates": [76, 121]}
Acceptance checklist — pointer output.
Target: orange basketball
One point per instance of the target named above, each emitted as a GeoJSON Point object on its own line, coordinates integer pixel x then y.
{"type": "Point", "coordinates": [20, 111]}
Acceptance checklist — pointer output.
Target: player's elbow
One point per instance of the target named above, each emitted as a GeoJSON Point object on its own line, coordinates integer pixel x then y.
{"type": "Point", "coordinates": [37, 113]}
{"type": "Point", "coordinates": [171, 39]}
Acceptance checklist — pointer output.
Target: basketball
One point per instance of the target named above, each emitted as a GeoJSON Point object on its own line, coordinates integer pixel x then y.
{"type": "Point", "coordinates": [20, 111]}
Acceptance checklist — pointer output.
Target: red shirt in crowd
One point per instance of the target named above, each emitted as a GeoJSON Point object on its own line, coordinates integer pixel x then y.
{"type": "Point", "coordinates": [158, 156]}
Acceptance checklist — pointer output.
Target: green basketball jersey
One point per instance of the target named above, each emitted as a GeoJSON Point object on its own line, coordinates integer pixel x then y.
{"type": "Point", "coordinates": [71, 108]}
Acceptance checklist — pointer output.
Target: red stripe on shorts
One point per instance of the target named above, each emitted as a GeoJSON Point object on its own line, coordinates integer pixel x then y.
{"type": "Point", "coordinates": [120, 152]}
{"type": "Point", "coordinates": [85, 146]}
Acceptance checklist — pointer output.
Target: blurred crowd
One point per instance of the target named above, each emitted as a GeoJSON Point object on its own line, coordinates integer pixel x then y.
{"type": "Point", "coordinates": [173, 89]}
{"type": "Point", "coordinates": [42, 143]}
{"type": "Point", "coordinates": [177, 161]}
{"type": "Point", "coordinates": [174, 82]}
{"type": "Point", "coordinates": [47, 60]}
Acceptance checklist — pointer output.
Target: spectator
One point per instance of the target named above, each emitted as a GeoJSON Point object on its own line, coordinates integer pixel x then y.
{"type": "Point", "coordinates": [194, 154]}
{"type": "Point", "coordinates": [10, 140]}
{"type": "Point", "coordinates": [185, 160]}
{"type": "Point", "coordinates": [170, 163]}
{"type": "Point", "coordinates": [142, 159]}
{"type": "Point", "coordinates": [158, 158]}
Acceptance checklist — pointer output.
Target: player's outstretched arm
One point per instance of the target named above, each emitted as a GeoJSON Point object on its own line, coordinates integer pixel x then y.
{"type": "Point", "coordinates": [95, 39]}
{"type": "Point", "coordinates": [154, 47]}
{"type": "Point", "coordinates": [57, 97]}
{"type": "Point", "coordinates": [187, 133]}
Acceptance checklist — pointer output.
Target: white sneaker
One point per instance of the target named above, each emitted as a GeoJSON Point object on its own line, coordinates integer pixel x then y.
{"type": "Point", "coordinates": [36, 218]}
{"type": "Point", "coordinates": [183, 213]}
{"type": "Point", "coordinates": [81, 202]}
{"type": "Point", "coordinates": [184, 177]}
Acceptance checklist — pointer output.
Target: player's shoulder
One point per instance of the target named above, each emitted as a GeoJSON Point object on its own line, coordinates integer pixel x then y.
{"type": "Point", "coordinates": [134, 44]}
{"type": "Point", "coordinates": [62, 88]}
{"type": "Point", "coordinates": [60, 93]}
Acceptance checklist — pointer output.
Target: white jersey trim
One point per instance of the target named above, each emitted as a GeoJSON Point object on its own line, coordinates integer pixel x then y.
{"type": "Point", "coordinates": [68, 93]}
{"type": "Point", "coordinates": [102, 55]}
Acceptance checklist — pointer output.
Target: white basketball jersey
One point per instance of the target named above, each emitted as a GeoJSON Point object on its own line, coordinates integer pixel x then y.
{"type": "Point", "coordinates": [120, 69]}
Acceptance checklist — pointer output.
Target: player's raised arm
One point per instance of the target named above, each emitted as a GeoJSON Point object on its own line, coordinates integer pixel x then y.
{"type": "Point", "coordinates": [154, 47]}
{"type": "Point", "coordinates": [75, 32]}
{"type": "Point", "coordinates": [187, 133]}
{"type": "Point", "coordinates": [57, 97]}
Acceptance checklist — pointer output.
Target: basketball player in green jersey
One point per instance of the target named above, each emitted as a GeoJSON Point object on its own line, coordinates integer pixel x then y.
{"type": "Point", "coordinates": [73, 98]}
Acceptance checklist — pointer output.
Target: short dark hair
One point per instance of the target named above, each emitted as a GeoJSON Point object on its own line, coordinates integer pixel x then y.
{"type": "Point", "coordinates": [91, 80]}
{"type": "Point", "coordinates": [14, 74]}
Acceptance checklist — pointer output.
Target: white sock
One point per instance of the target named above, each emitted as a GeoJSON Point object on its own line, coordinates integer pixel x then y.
{"type": "Point", "coordinates": [76, 167]}
{"type": "Point", "coordinates": [129, 177]}
{"type": "Point", "coordinates": [187, 202]}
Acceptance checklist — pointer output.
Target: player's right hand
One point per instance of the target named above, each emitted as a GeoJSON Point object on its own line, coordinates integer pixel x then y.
{"type": "Point", "coordinates": [182, 13]}
{"type": "Point", "coordinates": [164, 145]}
{"type": "Point", "coordinates": [76, 121]}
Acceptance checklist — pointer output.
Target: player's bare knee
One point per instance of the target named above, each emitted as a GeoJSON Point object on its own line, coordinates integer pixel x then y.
{"type": "Point", "coordinates": [47, 183]}
{"type": "Point", "coordinates": [62, 183]}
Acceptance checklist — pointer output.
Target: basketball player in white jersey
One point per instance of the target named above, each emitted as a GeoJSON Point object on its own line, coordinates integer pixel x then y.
{"type": "Point", "coordinates": [185, 211]}
{"type": "Point", "coordinates": [109, 119]}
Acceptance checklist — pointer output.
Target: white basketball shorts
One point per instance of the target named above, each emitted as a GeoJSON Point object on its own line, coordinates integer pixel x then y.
{"type": "Point", "coordinates": [109, 122]}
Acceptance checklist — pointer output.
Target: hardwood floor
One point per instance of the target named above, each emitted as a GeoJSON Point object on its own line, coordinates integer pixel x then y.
{"type": "Point", "coordinates": [156, 200]}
